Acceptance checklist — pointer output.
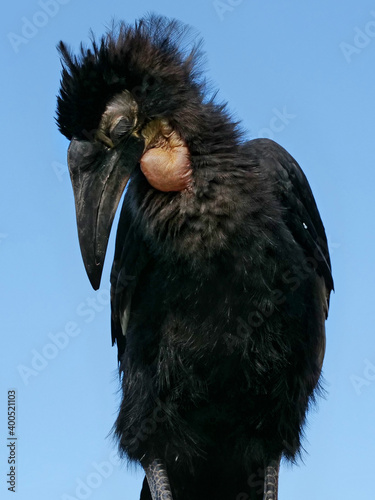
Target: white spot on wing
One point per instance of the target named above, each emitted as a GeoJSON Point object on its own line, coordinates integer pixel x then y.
{"type": "Point", "coordinates": [125, 318]}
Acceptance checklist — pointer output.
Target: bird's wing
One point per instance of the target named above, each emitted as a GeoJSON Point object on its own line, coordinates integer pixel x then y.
{"type": "Point", "coordinates": [302, 218]}
{"type": "Point", "coordinates": [131, 257]}
{"type": "Point", "coordinates": [301, 213]}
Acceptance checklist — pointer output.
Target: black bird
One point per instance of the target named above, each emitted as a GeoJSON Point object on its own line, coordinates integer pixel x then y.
{"type": "Point", "coordinates": [221, 277]}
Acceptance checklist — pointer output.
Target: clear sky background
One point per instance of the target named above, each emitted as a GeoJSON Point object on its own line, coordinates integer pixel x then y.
{"type": "Point", "coordinates": [313, 63]}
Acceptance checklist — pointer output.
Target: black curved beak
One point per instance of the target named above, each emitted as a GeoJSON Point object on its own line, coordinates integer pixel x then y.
{"type": "Point", "coordinates": [99, 178]}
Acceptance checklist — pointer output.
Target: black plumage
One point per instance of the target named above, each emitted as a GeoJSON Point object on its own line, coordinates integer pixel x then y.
{"type": "Point", "coordinates": [220, 289]}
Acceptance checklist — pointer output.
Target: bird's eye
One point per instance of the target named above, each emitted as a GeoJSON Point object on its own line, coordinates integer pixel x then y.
{"type": "Point", "coordinates": [120, 128]}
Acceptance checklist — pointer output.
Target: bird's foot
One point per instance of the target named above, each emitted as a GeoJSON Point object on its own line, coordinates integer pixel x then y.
{"type": "Point", "coordinates": [271, 481]}
{"type": "Point", "coordinates": [157, 479]}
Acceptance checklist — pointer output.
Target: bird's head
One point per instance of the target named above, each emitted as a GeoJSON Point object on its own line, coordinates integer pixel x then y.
{"type": "Point", "coordinates": [127, 102]}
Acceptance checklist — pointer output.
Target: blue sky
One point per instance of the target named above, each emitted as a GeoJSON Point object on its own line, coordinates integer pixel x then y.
{"type": "Point", "coordinates": [313, 64]}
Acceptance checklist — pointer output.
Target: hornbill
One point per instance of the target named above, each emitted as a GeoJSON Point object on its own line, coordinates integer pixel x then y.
{"type": "Point", "coordinates": [221, 276]}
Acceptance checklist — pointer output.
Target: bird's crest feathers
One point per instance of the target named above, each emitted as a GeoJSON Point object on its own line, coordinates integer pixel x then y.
{"type": "Point", "coordinates": [157, 59]}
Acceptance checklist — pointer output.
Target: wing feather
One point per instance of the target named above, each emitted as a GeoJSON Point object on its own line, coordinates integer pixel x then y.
{"type": "Point", "coordinates": [131, 258]}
